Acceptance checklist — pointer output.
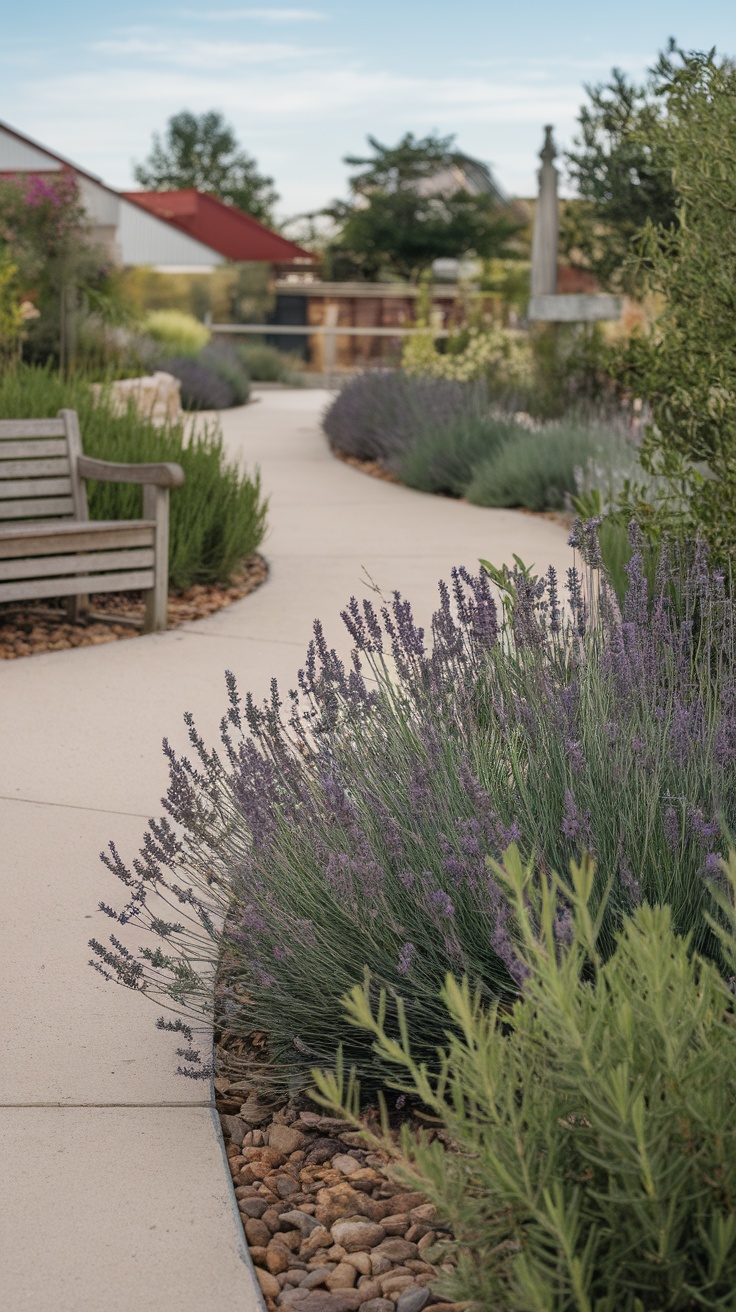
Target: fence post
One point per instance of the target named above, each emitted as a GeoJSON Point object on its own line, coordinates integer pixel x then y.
{"type": "Point", "coordinates": [329, 351]}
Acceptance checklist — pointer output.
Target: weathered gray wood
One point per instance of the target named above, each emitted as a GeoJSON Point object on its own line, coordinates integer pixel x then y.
{"type": "Point", "coordinates": [18, 540]}
{"type": "Point", "coordinates": [57, 465]}
{"type": "Point", "coordinates": [73, 557]}
{"type": "Point", "coordinates": [27, 589]}
{"type": "Point", "coordinates": [156, 507]}
{"type": "Point", "coordinates": [74, 441]}
{"type": "Point", "coordinates": [36, 487]}
{"type": "Point", "coordinates": [92, 562]}
{"type": "Point", "coordinates": [109, 471]}
{"type": "Point", "coordinates": [37, 508]}
{"type": "Point", "coordinates": [28, 449]}
{"type": "Point", "coordinates": [32, 428]}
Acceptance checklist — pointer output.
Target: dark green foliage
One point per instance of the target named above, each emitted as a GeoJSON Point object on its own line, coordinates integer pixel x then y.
{"type": "Point", "coordinates": [591, 1164]}
{"type": "Point", "coordinates": [202, 151]}
{"type": "Point", "coordinates": [536, 470]}
{"type": "Point", "coordinates": [622, 175]}
{"type": "Point", "coordinates": [686, 366]}
{"type": "Point", "coordinates": [217, 517]}
{"type": "Point", "coordinates": [393, 224]}
{"type": "Point", "coordinates": [225, 360]}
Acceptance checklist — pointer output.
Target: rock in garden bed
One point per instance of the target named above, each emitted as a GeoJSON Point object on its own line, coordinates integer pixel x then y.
{"type": "Point", "coordinates": [27, 630]}
{"type": "Point", "coordinates": [327, 1229]}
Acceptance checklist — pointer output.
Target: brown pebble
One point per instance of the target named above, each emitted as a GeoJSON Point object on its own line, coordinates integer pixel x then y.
{"type": "Point", "coordinates": [344, 1276]}
{"type": "Point", "coordinates": [268, 1282]}
{"type": "Point", "coordinates": [396, 1224]}
{"type": "Point", "coordinates": [257, 1232]}
{"type": "Point", "coordinates": [278, 1258]}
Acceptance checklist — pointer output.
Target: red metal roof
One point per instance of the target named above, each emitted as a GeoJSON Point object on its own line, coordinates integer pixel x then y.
{"type": "Point", "coordinates": [229, 231]}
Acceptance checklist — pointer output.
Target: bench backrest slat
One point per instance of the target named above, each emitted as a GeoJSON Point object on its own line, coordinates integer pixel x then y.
{"type": "Point", "coordinates": [38, 469]}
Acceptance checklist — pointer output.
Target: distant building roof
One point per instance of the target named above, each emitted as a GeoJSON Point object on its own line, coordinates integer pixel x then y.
{"type": "Point", "coordinates": [235, 235]}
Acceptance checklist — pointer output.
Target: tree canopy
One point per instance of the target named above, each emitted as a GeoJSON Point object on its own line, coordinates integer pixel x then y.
{"type": "Point", "coordinates": [396, 221]}
{"type": "Point", "coordinates": [686, 366]}
{"type": "Point", "coordinates": [202, 151]}
{"type": "Point", "coordinates": [622, 174]}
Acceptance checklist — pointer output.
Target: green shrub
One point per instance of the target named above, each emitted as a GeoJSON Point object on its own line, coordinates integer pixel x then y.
{"type": "Point", "coordinates": [178, 333]}
{"type": "Point", "coordinates": [591, 1162]}
{"type": "Point", "coordinates": [266, 364]}
{"type": "Point", "coordinates": [538, 470]}
{"type": "Point", "coordinates": [225, 361]}
{"type": "Point", "coordinates": [217, 517]}
{"type": "Point", "coordinates": [443, 458]}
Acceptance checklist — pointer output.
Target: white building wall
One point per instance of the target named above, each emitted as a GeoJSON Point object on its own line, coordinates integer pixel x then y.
{"type": "Point", "coordinates": [22, 157]}
{"type": "Point", "coordinates": [145, 239]}
{"type": "Point", "coordinates": [132, 235]}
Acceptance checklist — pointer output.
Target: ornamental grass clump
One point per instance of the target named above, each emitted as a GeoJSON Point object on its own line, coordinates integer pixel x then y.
{"type": "Point", "coordinates": [589, 1154]}
{"type": "Point", "coordinates": [352, 825]}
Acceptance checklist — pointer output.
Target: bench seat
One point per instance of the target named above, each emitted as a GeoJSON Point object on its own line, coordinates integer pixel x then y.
{"type": "Point", "coordinates": [49, 547]}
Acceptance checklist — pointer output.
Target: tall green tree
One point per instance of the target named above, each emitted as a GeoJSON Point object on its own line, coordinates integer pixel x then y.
{"type": "Point", "coordinates": [622, 173]}
{"type": "Point", "coordinates": [396, 221]}
{"type": "Point", "coordinates": [686, 366]}
{"type": "Point", "coordinates": [202, 151]}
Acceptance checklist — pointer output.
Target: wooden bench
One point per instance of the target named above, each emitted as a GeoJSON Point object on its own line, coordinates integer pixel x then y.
{"type": "Point", "coordinates": [48, 545]}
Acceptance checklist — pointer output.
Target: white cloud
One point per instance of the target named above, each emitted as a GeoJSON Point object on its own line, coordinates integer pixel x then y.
{"type": "Point", "coordinates": [188, 52]}
{"type": "Point", "coordinates": [262, 15]}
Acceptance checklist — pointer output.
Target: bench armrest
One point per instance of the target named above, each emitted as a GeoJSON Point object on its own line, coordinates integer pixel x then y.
{"type": "Point", "coordinates": [110, 471]}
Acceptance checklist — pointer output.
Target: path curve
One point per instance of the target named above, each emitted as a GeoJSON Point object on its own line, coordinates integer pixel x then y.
{"type": "Point", "coordinates": [114, 1190]}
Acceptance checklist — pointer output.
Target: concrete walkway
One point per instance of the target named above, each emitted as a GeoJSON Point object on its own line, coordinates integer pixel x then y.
{"type": "Point", "coordinates": [113, 1190]}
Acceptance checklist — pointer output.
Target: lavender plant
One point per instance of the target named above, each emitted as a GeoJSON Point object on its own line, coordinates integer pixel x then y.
{"type": "Point", "coordinates": [352, 825]}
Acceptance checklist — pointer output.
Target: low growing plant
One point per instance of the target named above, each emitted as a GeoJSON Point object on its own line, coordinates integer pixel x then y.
{"type": "Point", "coordinates": [352, 826]}
{"type": "Point", "coordinates": [444, 458]}
{"type": "Point", "coordinates": [176, 332]}
{"type": "Point", "coordinates": [541, 469]}
{"type": "Point", "coordinates": [589, 1160]}
{"type": "Point", "coordinates": [266, 364]}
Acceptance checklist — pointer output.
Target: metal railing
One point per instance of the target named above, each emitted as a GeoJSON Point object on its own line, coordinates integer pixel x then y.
{"type": "Point", "coordinates": [330, 331]}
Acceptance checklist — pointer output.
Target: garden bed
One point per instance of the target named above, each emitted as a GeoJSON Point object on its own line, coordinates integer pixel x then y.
{"type": "Point", "coordinates": [327, 1229]}
{"type": "Point", "coordinates": [30, 630]}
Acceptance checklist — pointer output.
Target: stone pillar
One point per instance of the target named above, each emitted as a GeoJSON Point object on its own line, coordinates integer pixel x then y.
{"type": "Point", "coordinates": [546, 223]}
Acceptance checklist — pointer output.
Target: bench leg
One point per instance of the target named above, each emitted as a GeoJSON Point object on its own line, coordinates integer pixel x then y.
{"type": "Point", "coordinates": [156, 507]}
{"type": "Point", "coordinates": [77, 607]}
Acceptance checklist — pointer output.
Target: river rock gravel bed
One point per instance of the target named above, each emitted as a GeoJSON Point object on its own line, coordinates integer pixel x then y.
{"type": "Point", "coordinates": [327, 1229]}
{"type": "Point", "coordinates": [27, 630]}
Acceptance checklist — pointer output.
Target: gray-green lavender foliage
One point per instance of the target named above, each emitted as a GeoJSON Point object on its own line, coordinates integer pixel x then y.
{"type": "Point", "coordinates": [589, 1158]}
{"type": "Point", "coordinates": [351, 826]}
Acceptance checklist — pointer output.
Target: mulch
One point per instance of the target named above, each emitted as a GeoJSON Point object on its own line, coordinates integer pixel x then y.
{"type": "Point", "coordinates": [27, 629]}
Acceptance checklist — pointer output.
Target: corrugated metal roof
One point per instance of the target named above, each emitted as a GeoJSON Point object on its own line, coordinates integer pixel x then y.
{"type": "Point", "coordinates": [237, 236]}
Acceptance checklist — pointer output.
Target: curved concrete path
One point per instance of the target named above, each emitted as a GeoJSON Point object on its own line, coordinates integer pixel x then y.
{"type": "Point", "coordinates": [113, 1190]}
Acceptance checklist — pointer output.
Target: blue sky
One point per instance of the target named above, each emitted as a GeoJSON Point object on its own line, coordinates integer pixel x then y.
{"type": "Point", "coordinates": [304, 81]}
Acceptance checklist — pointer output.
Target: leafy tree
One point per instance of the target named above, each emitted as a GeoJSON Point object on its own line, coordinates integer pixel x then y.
{"type": "Point", "coordinates": [686, 366]}
{"type": "Point", "coordinates": [203, 152]}
{"type": "Point", "coordinates": [395, 222]}
{"type": "Point", "coordinates": [622, 174]}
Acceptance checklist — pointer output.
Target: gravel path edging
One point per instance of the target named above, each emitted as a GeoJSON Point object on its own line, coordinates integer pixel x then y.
{"type": "Point", "coordinates": [327, 1229]}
